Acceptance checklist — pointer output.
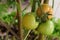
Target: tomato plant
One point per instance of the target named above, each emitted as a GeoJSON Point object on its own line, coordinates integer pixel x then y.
{"type": "Point", "coordinates": [34, 25]}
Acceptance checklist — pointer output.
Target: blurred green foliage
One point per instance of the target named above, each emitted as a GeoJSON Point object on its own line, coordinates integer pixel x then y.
{"type": "Point", "coordinates": [57, 27]}
{"type": "Point", "coordinates": [8, 18]}
{"type": "Point", "coordinates": [4, 15]}
{"type": "Point", "coordinates": [10, 2]}
{"type": "Point", "coordinates": [3, 8]}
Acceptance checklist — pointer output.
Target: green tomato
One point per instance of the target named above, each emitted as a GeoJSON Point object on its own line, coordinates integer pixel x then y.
{"type": "Point", "coordinates": [46, 28]}
{"type": "Point", "coordinates": [29, 22]}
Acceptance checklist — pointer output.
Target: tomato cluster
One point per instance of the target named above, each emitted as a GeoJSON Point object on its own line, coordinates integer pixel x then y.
{"type": "Point", "coordinates": [29, 20]}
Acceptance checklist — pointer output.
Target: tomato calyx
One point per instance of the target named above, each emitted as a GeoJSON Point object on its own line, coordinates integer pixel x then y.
{"type": "Point", "coordinates": [45, 11]}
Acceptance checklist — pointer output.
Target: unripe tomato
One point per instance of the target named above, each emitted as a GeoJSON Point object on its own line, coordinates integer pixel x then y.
{"type": "Point", "coordinates": [45, 8]}
{"type": "Point", "coordinates": [46, 28]}
{"type": "Point", "coordinates": [29, 22]}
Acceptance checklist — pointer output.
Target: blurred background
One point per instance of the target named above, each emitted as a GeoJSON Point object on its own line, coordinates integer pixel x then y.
{"type": "Point", "coordinates": [8, 15]}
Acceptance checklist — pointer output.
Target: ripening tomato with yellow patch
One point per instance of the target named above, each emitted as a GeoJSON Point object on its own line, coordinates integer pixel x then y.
{"type": "Point", "coordinates": [29, 22]}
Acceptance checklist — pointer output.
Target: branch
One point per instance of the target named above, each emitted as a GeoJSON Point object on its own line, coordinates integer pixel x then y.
{"type": "Point", "coordinates": [19, 17]}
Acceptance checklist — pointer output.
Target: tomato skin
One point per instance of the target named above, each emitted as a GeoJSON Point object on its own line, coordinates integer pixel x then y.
{"type": "Point", "coordinates": [46, 28]}
{"type": "Point", "coordinates": [29, 22]}
{"type": "Point", "coordinates": [45, 9]}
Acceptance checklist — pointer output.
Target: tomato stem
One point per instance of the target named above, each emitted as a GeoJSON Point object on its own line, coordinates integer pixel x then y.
{"type": "Point", "coordinates": [46, 1]}
{"type": "Point", "coordinates": [39, 2]}
{"type": "Point", "coordinates": [27, 34]}
{"type": "Point", "coordinates": [42, 37]}
{"type": "Point", "coordinates": [33, 6]}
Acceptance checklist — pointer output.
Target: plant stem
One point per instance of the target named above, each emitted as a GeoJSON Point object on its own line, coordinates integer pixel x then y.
{"type": "Point", "coordinates": [36, 37]}
{"type": "Point", "coordinates": [7, 35]}
{"type": "Point", "coordinates": [19, 17]}
{"type": "Point", "coordinates": [52, 3]}
{"type": "Point", "coordinates": [42, 37]}
{"type": "Point", "coordinates": [27, 34]}
{"type": "Point", "coordinates": [46, 1]}
{"type": "Point", "coordinates": [13, 38]}
{"type": "Point", "coordinates": [25, 7]}
{"type": "Point", "coordinates": [39, 2]}
{"type": "Point", "coordinates": [33, 6]}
